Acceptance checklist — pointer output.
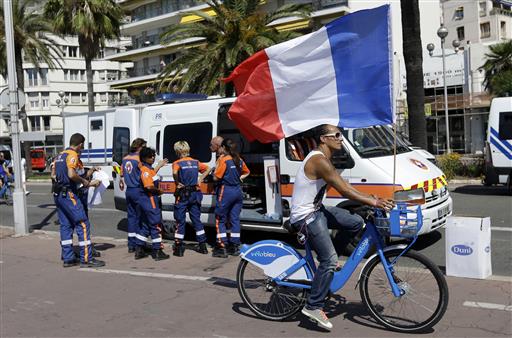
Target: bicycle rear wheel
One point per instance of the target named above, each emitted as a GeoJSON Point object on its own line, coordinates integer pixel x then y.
{"type": "Point", "coordinates": [426, 292]}
{"type": "Point", "coordinates": [264, 297]}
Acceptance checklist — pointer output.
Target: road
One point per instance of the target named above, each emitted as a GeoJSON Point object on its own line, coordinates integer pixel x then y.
{"type": "Point", "coordinates": [469, 200]}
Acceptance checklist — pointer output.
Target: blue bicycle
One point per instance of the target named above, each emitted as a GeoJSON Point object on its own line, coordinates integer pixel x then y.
{"type": "Point", "coordinates": [402, 289]}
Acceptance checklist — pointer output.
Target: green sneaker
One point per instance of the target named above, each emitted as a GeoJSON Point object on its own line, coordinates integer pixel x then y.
{"type": "Point", "coordinates": [319, 317]}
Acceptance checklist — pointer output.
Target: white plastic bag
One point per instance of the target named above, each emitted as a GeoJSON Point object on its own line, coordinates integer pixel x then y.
{"type": "Point", "coordinates": [94, 197]}
{"type": "Point", "coordinates": [468, 247]}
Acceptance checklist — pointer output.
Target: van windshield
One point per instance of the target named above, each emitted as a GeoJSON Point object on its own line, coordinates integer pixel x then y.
{"type": "Point", "coordinates": [375, 141]}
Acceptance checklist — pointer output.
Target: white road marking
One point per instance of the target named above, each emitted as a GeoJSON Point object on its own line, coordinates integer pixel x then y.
{"type": "Point", "coordinates": [146, 274]}
{"type": "Point", "coordinates": [501, 229]}
{"type": "Point", "coordinates": [488, 306]}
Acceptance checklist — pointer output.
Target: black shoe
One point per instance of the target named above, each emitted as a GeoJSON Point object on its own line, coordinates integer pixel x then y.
{"type": "Point", "coordinates": [93, 263]}
{"type": "Point", "coordinates": [140, 252]}
{"type": "Point", "coordinates": [178, 249]}
{"type": "Point", "coordinates": [202, 249]}
{"type": "Point", "coordinates": [95, 253]}
{"type": "Point", "coordinates": [68, 264]}
{"type": "Point", "coordinates": [159, 255]}
{"type": "Point", "coordinates": [233, 249]}
{"type": "Point", "coordinates": [131, 250]}
{"type": "Point", "coordinates": [219, 252]}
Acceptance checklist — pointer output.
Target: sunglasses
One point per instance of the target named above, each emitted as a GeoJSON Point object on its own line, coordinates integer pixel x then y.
{"type": "Point", "coordinates": [336, 135]}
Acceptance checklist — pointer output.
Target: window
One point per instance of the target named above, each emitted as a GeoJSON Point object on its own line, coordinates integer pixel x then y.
{"type": "Point", "coordinates": [33, 99]}
{"type": "Point", "coordinates": [46, 122]}
{"type": "Point", "coordinates": [483, 8]}
{"type": "Point", "coordinates": [158, 143]}
{"type": "Point", "coordinates": [73, 52]}
{"type": "Point", "coordinates": [460, 33]}
{"type": "Point", "coordinates": [66, 75]}
{"type": "Point", "coordinates": [101, 75]}
{"type": "Point", "coordinates": [82, 75]}
{"type": "Point", "coordinates": [459, 13]}
{"type": "Point", "coordinates": [503, 29]}
{"type": "Point", "coordinates": [96, 124]}
{"type": "Point", "coordinates": [198, 136]}
{"type": "Point", "coordinates": [35, 123]}
{"type": "Point", "coordinates": [73, 75]}
{"type": "Point", "coordinates": [103, 97]}
{"type": "Point", "coordinates": [64, 50]}
{"type": "Point", "coordinates": [485, 30]}
{"type": "Point", "coordinates": [505, 126]}
{"type": "Point", "coordinates": [75, 98]}
{"type": "Point", "coordinates": [120, 143]}
{"type": "Point", "coordinates": [44, 77]}
{"type": "Point", "coordinates": [45, 99]}
{"type": "Point", "coordinates": [32, 77]}
{"type": "Point", "coordinates": [111, 75]}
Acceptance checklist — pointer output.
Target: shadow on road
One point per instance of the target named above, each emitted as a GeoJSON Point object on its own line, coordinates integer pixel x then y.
{"type": "Point", "coordinates": [45, 221]}
{"type": "Point", "coordinates": [483, 190]}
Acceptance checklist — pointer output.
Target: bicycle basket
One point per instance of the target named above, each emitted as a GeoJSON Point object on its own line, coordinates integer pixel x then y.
{"type": "Point", "coordinates": [403, 221]}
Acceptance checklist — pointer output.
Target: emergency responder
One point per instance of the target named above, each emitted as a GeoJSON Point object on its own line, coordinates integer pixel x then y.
{"type": "Point", "coordinates": [130, 177]}
{"type": "Point", "coordinates": [150, 208]}
{"type": "Point", "coordinates": [230, 172]}
{"type": "Point", "coordinates": [70, 208]}
{"type": "Point", "coordinates": [188, 196]}
{"type": "Point", "coordinates": [215, 144]}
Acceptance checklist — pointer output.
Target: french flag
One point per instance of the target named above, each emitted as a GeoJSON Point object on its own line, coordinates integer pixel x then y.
{"type": "Point", "coordinates": [340, 74]}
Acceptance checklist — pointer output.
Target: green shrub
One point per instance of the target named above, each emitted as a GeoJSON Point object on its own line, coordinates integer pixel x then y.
{"type": "Point", "coordinates": [450, 164]}
{"type": "Point", "coordinates": [473, 170]}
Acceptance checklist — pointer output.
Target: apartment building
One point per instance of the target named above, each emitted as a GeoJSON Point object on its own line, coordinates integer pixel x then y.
{"type": "Point", "coordinates": [476, 24]}
{"type": "Point", "coordinates": [42, 88]}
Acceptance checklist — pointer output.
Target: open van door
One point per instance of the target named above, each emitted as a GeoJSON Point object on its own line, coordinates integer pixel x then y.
{"type": "Point", "coordinates": [126, 122]}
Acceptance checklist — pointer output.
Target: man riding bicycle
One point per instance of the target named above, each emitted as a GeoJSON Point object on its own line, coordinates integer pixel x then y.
{"type": "Point", "coordinates": [314, 176]}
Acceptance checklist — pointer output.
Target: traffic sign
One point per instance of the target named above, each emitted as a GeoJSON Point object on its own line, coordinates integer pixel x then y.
{"type": "Point", "coordinates": [5, 99]}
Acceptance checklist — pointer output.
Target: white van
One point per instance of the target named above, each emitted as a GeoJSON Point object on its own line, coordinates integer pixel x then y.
{"type": "Point", "coordinates": [367, 163]}
{"type": "Point", "coordinates": [498, 146]}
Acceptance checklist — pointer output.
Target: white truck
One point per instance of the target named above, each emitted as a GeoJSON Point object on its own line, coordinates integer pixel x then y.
{"type": "Point", "coordinates": [366, 162]}
{"type": "Point", "coordinates": [498, 146]}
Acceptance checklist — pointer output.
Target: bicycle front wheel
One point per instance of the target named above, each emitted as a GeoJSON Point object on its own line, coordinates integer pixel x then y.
{"type": "Point", "coordinates": [425, 296]}
{"type": "Point", "coordinates": [264, 297]}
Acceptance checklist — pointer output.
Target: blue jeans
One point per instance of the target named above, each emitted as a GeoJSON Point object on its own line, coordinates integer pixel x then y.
{"type": "Point", "coordinates": [319, 240]}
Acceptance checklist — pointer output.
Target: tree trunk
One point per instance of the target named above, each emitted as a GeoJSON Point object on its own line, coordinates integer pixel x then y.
{"type": "Point", "coordinates": [90, 85]}
{"type": "Point", "coordinates": [414, 67]}
{"type": "Point", "coordinates": [20, 78]}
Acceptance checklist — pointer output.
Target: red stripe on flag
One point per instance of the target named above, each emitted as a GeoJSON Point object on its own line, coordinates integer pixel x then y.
{"type": "Point", "coordinates": [255, 110]}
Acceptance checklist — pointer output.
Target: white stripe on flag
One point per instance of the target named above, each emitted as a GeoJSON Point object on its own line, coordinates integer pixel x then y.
{"type": "Point", "coordinates": [304, 66]}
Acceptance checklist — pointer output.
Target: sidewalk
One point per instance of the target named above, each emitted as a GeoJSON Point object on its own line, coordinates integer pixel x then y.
{"type": "Point", "coordinates": [191, 296]}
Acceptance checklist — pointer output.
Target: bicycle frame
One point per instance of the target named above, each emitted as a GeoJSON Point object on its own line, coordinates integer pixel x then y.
{"type": "Point", "coordinates": [370, 236]}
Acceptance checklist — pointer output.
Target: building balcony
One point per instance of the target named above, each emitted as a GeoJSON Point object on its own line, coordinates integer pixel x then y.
{"type": "Point", "coordinates": [459, 101]}
{"type": "Point", "coordinates": [500, 11]}
{"type": "Point", "coordinates": [151, 50]}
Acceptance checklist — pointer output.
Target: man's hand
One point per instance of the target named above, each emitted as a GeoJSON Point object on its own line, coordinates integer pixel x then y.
{"type": "Point", "coordinates": [94, 183]}
{"type": "Point", "coordinates": [384, 204]}
{"type": "Point", "coordinates": [180, 185]}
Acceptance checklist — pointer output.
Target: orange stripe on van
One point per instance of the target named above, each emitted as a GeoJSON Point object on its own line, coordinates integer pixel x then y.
{"type": "Point", "coordinates": [381, 190]}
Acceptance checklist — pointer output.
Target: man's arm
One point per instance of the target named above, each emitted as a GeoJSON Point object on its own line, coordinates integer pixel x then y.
{"type": "Point", "coordinates": [323, 168]}
{"type": "Point", "coordinates": [73, 176]}
{"type": "Point", "coordinates": [160, 164]}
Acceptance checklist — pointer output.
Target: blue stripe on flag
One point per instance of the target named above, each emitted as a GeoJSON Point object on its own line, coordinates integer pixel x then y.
{"type": "Point", "coordinates": [497, 135]}
{"type": "Point", "coordinates": [501, 148]}
{"type": "Point", "coordinates": [362, 56]}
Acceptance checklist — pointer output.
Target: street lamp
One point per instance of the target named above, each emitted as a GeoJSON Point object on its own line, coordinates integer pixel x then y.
{"type": "Point", "coordinates": [442, 32]}
{"type": "Point", "coordinates": [62, 103]}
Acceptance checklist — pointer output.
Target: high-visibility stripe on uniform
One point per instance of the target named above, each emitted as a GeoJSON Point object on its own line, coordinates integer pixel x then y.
{"type": "Point", "coordinates": [72, 197]}
{"type": "Point", "coordinates": [86, 247]}
{"type": "Point", "coordinates": [84, 243]}
{"type": "Point", "coordinates": [179, 236]}
{"type": "Point", "coordinates": [67, 242]}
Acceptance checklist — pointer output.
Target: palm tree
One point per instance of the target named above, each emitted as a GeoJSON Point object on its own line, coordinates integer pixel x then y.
{"type": "Point", "coordinates": [498, 69]}
{"type": "Point", "coordinates": [93, 21]}
{"type": "Point", "coordinates": [414, 67]}
{"type": "Point", "coordinates": [235, 31]}
{"type": "Point", "coordinates": [32, 41]}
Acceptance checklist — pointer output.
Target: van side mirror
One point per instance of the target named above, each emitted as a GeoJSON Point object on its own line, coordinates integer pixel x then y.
{"type": "Point", "coordinates": [342, 160]}
{"type": "Point", "coordinates": [285, 179]}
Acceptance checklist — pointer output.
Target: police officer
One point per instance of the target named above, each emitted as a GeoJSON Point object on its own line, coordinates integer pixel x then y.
{"type": "Point", "coordinates": [70, 208]}
{"type": "Point", "coordinates": [230, 172]}
{"type": "Point", "coordinates": [188, 196]}
{"type": "Point", "coordinates": [130, 177]}
{"type": "Point", "coordinates": [150, 207]}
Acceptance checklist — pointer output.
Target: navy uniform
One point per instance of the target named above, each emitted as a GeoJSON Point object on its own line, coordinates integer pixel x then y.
{"type": "Point", "coordinates": [151, 216]}
{"type": "Point", "coordinates": [71, 212]}
{"type": "Point", "coordinates": [188, 198]}
{"type": "Point", "coordinates": [130, 171]}
{"type": "Point", "coordinates": [229, 203]}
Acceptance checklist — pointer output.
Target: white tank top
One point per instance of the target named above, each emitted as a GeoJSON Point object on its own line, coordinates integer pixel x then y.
{"type": "Point", "coordinates": [304, 192]}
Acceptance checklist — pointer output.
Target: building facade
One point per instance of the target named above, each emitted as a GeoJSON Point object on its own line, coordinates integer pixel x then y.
{"type": "Point", "coordinates": [42, 88]}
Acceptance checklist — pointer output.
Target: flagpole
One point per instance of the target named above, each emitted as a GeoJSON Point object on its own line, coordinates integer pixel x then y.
{"type": "Point", "coordinates": [394, 156]}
